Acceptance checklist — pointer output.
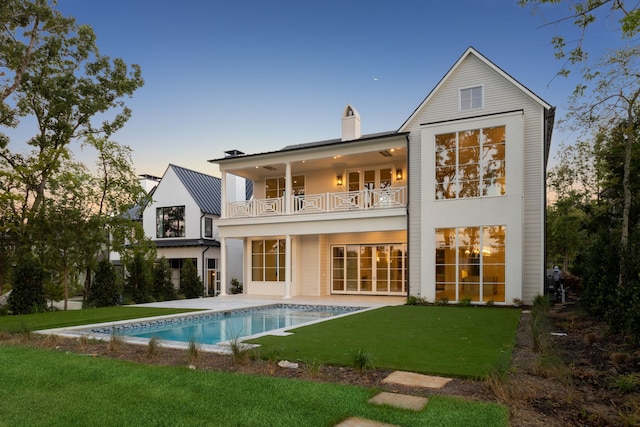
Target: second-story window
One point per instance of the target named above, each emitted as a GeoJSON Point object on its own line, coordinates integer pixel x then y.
{"type": "Point", "coordinates": [208, 227]}
{"type": "Point", "coordinates": [275, 187]}
{"type": "Point", "coordinates": [170, 221]}
{"type": "Point", "coordinates": [470, 163]}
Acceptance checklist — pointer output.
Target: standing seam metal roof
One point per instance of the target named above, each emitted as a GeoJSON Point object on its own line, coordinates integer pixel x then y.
{"type": "Point", "coordinates": [206, 190]}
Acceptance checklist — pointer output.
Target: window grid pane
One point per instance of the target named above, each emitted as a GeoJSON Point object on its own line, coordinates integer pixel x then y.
{"type": "Point", "coordinates": [470, 164]}
{"type": "Point", "coordinates": [268, 260]}
{"type": "Point", "coordinates": [470, 263]}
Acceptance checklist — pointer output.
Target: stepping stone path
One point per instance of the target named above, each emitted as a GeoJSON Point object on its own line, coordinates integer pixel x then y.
{"type": "Point", "coordinates": [403, 401]}
{"type": "Point", "coordinates": [416, 380]}
{"type": "Point", "coordinates": [361, 422]}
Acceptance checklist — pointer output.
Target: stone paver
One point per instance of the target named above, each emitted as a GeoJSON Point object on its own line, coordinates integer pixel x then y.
{"type": "Point", "coordinates": [412, 379]}
{"type": "Point", "coordinates": [361, 422]}
{"type": "Point", "coordinates": [404, 401]}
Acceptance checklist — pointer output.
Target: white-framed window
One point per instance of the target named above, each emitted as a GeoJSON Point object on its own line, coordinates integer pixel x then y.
{"type": "Point", "coordinates": [470, 163]}
{"type": "Point", "coordinates": [268, 260]}
{"type": "Point", "coordinates": [275, 187]}
{"type": "Point", "coordinates": [208, 227]}
{"type": "Point", "coordinates": [371, 268]}
{"type": "Point", "coordinates": [471, 263]}
{"type": "Point", "coordinates": [471, 98]}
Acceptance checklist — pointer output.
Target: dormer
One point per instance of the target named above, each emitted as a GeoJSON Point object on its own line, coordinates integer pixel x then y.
{"type": "Point", "coordinates": [350, 124]}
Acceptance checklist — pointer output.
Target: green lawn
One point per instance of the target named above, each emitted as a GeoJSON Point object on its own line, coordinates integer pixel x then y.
{"type": "Point", "coordinates": [51, 388]}
{"type": "Point", "coordinates": [451, 341]}
{"type": "Point", "coordinates": [60, 319]}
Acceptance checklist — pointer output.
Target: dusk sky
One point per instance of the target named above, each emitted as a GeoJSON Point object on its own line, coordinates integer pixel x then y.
{"type": "Point", "coordinates": [259, 75]}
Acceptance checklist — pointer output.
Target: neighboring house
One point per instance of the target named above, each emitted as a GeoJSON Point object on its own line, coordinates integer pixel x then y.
{"type": "Point", "coordinates": [449, 206]}
{"type": "Point", "coordinates": [181, 221]}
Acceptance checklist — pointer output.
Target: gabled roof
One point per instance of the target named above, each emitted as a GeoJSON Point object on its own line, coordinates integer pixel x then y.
{"type": "Point", "coordinates": [474, 52]}
{"type": "Point", "coordinates": [206, 190]}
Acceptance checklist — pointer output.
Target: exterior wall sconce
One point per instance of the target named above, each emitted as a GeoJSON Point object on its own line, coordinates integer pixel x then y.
{"type": "Point", "coordinates": [339, 180]}
{"type": "Point", "coordinates": [399, 174]}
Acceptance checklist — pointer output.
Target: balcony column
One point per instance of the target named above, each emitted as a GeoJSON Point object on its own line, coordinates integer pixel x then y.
{"type": "Point", "coordinates": [223, 196]}
{"type": "Point", "coordinates": [288, 189]}
{"type": "Point", "coordinates": [287, 267]}
{"type": "Point", "coordinates": [223, 263]}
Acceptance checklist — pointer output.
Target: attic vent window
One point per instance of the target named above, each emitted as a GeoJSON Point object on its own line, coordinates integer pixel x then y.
{"type": "Point", "coordinates": [471, 98]}
{"type": "Point", "coordinates": [386, 153]}
{"type": "Point", "coordinates": [269, 168]}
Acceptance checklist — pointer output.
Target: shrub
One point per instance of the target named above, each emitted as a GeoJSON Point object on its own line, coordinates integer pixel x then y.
{"type": "Point", "coordinates": [27, 295]}
{"type": "Point", "coordinates": [362, 359]}
{"type": "Point", "coordinates": [465, 302]}
{"type": "Point", "coordinates": [236, 286]}
{"type": "Point", "coordinates": [193, 351]}
{"type": "Point", "coordinates": [116, 341]}
{"type": "Point", "coordinates": [153, 347]}
{"type": "Point", "coordinates": [313, 367]}
{"type": "Point", "coordinates": [442, 301]}
{"type": "Point", "coordinates": [541, 303]}
{"type": "Point", "coordinates": [105, 289]}
{"type": "Point", "coordinates": [239, 351]}
{"type": "Point", "coordinates": [163, 289]}
{"type": "Point", "coordinates": [190, 283]}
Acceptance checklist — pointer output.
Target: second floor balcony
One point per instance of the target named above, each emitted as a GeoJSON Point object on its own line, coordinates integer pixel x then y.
{"type": "Point", "coordinates": [300, 204]}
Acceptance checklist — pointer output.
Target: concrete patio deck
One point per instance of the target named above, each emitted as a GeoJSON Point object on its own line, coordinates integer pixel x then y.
{"type": "Point", "coordinates": [231, 302]}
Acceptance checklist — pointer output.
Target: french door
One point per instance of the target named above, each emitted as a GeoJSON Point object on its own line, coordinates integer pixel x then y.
{"type": "Point", "coordinates": [369, 269]}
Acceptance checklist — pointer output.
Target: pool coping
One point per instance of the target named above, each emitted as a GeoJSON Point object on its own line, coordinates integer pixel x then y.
{"type": "Point", "coordinates": [223, 347]}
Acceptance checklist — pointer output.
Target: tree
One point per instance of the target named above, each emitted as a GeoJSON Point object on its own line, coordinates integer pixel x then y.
{"type": "Point", "coordinates": [24, 24]}
{"type": "Point", "coordinates": [584, 14]}
{"type": "Point", "coordinates": [27, 295]}
{"type": "Point", "coordinates": [190, 283]}
{"type": "Point", "coordinates": [57, 76]}
{"type": "Point", "coordinates": [52, 72]}
{"type": "Point", "coordinates": [163, 289]}
{"type": "Point", "coordinates": [609, 94]}
{"type": "Point", "coordinates": [105, 291]}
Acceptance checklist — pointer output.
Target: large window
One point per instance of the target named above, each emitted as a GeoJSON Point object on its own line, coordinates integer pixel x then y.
{"type": "Point", "coordinates": [268, 260]}
{"type": "Point", "coordinates": [170, 221]}
{"type": "Point", "coordinates": [471, 98]}
{"type": "Point", "coordinates": [470, 163]}
{"type": "Point", "coordinates": [470, 263]}
{"type": "Point", "coordinates": [369, 268]}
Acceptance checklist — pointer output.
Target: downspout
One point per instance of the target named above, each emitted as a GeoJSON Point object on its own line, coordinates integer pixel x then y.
{"type": "Point", "coordinates": [407, 227]}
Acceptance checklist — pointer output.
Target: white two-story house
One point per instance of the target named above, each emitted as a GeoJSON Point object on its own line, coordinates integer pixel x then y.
{"type": "Point", "coordinates": [450, 206]}
{"type": "Point", "coordinates": [181, 221]}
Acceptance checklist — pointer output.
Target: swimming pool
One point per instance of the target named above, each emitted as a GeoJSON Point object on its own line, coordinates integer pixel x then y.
{"type": "Point", "coordinates": [212, 328]}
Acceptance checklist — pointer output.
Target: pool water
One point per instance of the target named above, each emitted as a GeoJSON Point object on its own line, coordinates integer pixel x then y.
{"type": "Point", "coordinates": [213, 328]}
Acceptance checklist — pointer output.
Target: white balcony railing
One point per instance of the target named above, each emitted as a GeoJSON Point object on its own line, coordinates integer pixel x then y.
{"type": "Point", "coordinates": [320, 203]}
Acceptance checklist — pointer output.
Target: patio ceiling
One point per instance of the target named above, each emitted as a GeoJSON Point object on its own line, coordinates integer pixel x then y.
{"type": "Point", "coordinates": [391, 151]}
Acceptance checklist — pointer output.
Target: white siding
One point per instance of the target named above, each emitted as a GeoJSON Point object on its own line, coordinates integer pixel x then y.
{"type": "Point", "coordinates": [500, 95]}
{"type": "Point", "coordinates": [171, 192]}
